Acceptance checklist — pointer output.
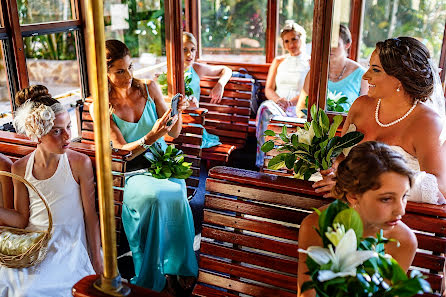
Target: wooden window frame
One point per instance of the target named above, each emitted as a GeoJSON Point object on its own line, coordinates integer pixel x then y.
{"type": "Point", "coordinates": [12, 34]}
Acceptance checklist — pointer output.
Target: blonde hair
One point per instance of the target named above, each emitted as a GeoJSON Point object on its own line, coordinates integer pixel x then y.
{"type": "Point", "coordinates": [189, 37]}
{"type": "Point", "coordinates": [294, 27]}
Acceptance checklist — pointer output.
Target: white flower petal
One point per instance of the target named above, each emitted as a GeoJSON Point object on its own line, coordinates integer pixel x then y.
{"type": "Point", "coordinates": [325, 275]}
{"type": "Point", "coordinates": [356, 259]}
{"type": "Point", "coordinates": [319, 254]}
{"type": "Point", "coordinates": [347, 245]}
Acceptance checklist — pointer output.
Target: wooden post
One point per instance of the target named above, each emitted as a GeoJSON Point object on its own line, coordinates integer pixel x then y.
{"type": "Point", "coordinates": [272, 23]}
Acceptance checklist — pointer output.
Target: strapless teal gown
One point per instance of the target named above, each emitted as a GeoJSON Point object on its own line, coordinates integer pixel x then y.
{"type": "Point", "coordinates": [156, 216]}
{"type": "Point", "coordinates": [208, 140]}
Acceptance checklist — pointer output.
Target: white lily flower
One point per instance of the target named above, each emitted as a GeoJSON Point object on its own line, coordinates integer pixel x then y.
{"type": "Point", "coordinates": [305, 136]}
{"type": "Point", "coordinates": [344, 260]}
{"type": "Point", "coordinates": [335, 96]}
{"type": "Point", "coordinates": [335, 235]}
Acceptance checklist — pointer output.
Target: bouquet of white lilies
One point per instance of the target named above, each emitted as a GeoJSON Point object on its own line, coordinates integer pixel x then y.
{"type": "Point", "coordinates": [310, 148]}
{"type": "Point", "coordinates": [349, 265]}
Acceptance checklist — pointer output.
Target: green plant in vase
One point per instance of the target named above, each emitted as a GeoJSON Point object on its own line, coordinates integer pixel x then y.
{"type": "Point", "coordinates": [162, 81]}
{"type": "Point", "coordinates": [310, 148]}
{"type": "Point", "coordinates": [337, 102]}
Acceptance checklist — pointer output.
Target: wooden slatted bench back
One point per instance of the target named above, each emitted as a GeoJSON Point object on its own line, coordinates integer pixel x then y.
{"type": "Point", "coordinates": [228, 119]}
{"type": "Point", "coordinates": [15, 146]}
{"type": "Point", "coordinates": [250, 233]}
{"type": "Point", "coordinates": [189, 140]}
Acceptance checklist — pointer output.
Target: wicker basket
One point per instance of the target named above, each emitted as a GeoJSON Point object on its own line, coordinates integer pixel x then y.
{"type": "Point", "coordinates": [37, 251]}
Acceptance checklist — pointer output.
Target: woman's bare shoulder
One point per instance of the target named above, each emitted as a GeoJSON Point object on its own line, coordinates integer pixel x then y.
{"type": "Point", "coordinates": [5, 163]}
{"type": "Point", "coordinates": [78, 161]}
{"type": "Point", "coordinates": [404, 235]}
{"type": "Point", "coordinates": [19, 166]}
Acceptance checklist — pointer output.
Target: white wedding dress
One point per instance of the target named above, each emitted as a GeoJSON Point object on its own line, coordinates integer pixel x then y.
{"type": "Point", "coordinates": [67, 260]}
{"type": "Point", "coordinates": [425, 187]}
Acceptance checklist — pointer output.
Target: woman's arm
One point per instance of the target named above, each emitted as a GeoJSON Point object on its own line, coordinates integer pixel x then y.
{"type": "Point", "coordinates": [161, 108]}
{"type": "Point", "coordinates": [303, 96]}
{"type": "Point", "coordinates": [6, 183]}
{"type": "Point", "coordinates": [404, 250]}
{"type": "Point", "coordinates": [18, 217]}
{"type": "Point", "coordinates": [83, 170]}
{"type": "Point", "coordinates": [429, 149]}
{"type": "Point", "coordinates": [223, 72]}
{"type": "Point", "coordinates": [307, 237]}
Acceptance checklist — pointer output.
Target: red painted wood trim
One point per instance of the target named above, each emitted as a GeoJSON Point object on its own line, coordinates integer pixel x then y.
{"type": "Point", "coordinates": [322, 17]}
{"type": "Point", "coordinates": [193, 21]}
{"type": "Point", "coordinates": [17, 42]}
{"type": "Point", "coordinates": [51, 25]}
{"type": "Point", "coordinates": [272, 23]}
{"type": "Point", "coordinates": [442, 63]}
{"type": "Point", "coordinates": [356, 19]}
{"type": "Point", "coordinates": [174, 46]}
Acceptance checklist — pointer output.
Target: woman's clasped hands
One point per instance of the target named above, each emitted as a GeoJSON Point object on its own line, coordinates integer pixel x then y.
{"type": "Point", "coordinates": [326, 184]}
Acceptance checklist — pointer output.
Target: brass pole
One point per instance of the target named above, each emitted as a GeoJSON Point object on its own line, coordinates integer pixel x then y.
{"type": "Point", "coordinates": [110, 281]}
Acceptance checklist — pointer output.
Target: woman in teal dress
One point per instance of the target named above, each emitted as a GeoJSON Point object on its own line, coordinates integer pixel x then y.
{"type": "Point", "coordinates": [156, 215]}
{"type": "Point", "coordinates": [197, 71]}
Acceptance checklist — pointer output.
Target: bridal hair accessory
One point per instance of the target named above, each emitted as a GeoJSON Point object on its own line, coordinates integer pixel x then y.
{"type": "Point", "coordinates": [395, 121]}
{"type": "Point", "coordinates": [35, 119]}
{"type": "Point", "coordinates": [20, 248]}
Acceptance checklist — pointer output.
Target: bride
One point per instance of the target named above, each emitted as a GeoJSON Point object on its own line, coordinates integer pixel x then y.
{"type": "Point", "coordinates": [404, 108]}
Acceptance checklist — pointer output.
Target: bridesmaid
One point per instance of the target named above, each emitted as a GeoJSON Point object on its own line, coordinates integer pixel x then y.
{"type": "Point", "coordinates": [156, 215]}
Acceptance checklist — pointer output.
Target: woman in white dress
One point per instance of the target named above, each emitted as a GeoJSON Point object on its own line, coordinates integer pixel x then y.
{"type": "Point", "coordinates": [285, 80]}
{"type": "Point", "coordinates": [404, 108]}
{"type": "Point", "coordinates": [65, 178]}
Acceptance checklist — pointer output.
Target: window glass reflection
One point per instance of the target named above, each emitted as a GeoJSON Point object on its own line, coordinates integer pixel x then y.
{"type": "Point", "coordinates": [41, 11]}
{"type": "Point", "coordinates": [233, 31]}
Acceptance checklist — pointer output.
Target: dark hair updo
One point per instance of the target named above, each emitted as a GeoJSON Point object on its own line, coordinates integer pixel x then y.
{"type": "Point", "coordinates": [407, 59]}
{"type": "Point", "coordinates": [35, 93]}
{"type": "Point", "coordinates": [361, 169]}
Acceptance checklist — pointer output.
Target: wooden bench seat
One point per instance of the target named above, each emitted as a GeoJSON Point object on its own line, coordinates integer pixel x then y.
{"type": "Point", "coordinates": [16, 146]}
{"type": "Point", "coordinates": [189, 140]}
{"type": "Point", "coordinates": [228, 119]}
{"type": "Point", "coordinates": [250, 232]}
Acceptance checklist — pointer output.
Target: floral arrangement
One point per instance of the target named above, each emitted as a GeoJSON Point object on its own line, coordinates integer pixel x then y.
{"type": "Point", "coordinates": [337, 102]}
{"type": "Point", "coordinates": [35, 120]}
{"type": "Point", "coordinates": [349, 265]}
{"type": "Point", "coordinates": [169, 163]}
{"type": "Point", "coordinates": [310, 148]}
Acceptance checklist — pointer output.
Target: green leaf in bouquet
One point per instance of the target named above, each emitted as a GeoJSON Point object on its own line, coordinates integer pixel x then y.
{"type": "Point", "coordinates": [277, 162]}
{"type": "Point", "coordinates": [351, 139]}
{"type": "Point", "coordinates": [324, 122]}
{"type": "Point", "coordinates": [269, 133]}
{"type": "Point", "coordinates": [169, 149]}
{"type": "Point", "coordinates": [267, 146]}
{"type": "Point", "coordinates": [297, 165]}
{"type": "Point", "coordinates": [327, 217]}
{"type": "Point", "coordinates": [316, 128]}
{"type": "Point", "coordinates": [284, 138]}
{"type": "Point", "coordinates": [337, 120]}
{"type": "Point", "coordinates": [409, 288]}
{"type": "Point", "coordinates": [339, 108]}
{"type": "Point", "coordinates": [307, 126]}
{"type": "Point", "coordinates": [188, 91]}
{"type": "Point", "coordinates": [308, 173]}
{"type": "Point", "coordinates": [351, 219]}
{"type": "Point", "coordinates": [166, 172]}
{"type": "Point", "coordinates": [313, 112]}
{"type": "Point", "coordinates": [149, 156]}
{"type": "Point", "coordinates": [289, 161]}
{"type": "Point", "coordinates": [179, 159]}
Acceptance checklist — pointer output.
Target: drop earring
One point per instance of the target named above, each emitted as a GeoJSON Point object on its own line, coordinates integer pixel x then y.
{"type": "Point", "coordinates": [398, 89]}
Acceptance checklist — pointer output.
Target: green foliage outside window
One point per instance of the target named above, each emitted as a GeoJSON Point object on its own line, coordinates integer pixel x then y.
{"type": "Point", "coordinates": [422, 19]}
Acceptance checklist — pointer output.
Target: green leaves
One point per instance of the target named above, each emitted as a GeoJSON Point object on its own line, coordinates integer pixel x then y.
{"type": "Point", "coordinates": [168, 163]}
{"type": "Point", "coordinates": [351, 220]}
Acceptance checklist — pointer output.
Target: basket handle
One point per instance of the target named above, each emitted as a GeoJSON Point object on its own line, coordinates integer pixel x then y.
{"type": "Point", "coordinates": [50, 217]}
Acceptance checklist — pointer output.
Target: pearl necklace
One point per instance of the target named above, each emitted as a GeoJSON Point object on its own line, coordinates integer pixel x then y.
{"type": "Point", "coordinates": [395, 121]}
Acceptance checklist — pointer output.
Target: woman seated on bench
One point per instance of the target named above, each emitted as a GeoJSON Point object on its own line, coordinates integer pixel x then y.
{"type": "Point", "coordinates": [156, 215]}
{"type": "Point", "coordinates": [196, 72]}
{"type": "Point", "coordinates": [65, 178]}
{"type": "Point", "coordinates": [285, 80]}
{"type": "Point", "coordinates": [344, 74]}
{"type": "Point", "coordinates": [374, 180]}
{"type": "Point", "coordinates": [404, 108]}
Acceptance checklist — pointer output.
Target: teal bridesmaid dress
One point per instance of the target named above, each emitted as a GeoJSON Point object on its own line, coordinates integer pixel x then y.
{"type": "Point", "coordinates": [156, 216]}
{"type": "Point", "coordinates": [208, 140]}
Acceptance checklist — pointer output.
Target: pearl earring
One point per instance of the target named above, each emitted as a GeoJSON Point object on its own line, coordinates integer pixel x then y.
{"type": "Point", "coordinates": [398, 89]}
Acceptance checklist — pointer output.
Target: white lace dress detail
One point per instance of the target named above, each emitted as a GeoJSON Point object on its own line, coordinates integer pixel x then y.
{"type": "Point", "coordinates": [67, 260]}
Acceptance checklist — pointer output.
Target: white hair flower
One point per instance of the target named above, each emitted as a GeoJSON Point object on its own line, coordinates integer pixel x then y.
{"type": "Point", "coordinates": [35, 120]}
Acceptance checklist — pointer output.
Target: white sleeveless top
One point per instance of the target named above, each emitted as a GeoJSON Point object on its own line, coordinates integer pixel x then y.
{"type": "Point", "coordinates": [290, 76]}
{"type": "Point", "coordinates": [67, 260]}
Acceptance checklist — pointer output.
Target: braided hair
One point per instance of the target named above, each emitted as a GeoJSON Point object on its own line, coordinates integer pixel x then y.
{"type": "Point", "coordinates": [407, 59]}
